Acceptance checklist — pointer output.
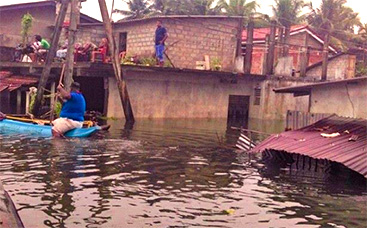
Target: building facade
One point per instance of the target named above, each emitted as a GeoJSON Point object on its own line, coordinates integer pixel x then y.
{"type": "Point", "coordinates": [191, 38]}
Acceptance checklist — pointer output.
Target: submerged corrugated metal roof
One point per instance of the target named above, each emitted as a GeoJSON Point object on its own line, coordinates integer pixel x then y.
{"type": "Point", "coordinates": [309, 141]}
{"type": "Point", "coordinates": [13, 82]}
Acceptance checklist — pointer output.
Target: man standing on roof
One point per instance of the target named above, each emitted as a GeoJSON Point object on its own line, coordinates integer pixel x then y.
{"type": "Point", "coordinates": [72, 112]}
{"type": "Point", "coordinates": [160, 37]}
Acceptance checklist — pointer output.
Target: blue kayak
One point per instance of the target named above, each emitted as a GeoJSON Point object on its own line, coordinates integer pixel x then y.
{"type": "Point", "coordinates": [18, 127]}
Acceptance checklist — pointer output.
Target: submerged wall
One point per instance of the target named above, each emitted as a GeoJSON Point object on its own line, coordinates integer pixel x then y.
{"type": "Point", "coordinates": [174, 94]}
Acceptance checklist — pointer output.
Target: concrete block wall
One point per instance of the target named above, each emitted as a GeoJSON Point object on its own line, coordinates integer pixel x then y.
{"type": "Point", "coordinates": [190, 39]}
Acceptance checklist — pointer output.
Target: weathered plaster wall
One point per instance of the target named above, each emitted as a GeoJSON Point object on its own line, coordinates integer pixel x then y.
{"type": "Point", "coordinates": [188, 95]}
{"type": "Point", "coordinates": [342, 67]}
{"type": "Point", "coordinates": [10, 24]}
{"type": "Point", "coordinates": [189, 39]}
{"type": "Point", "coordinates": [274, 106]}
{"type": "Point", "coordinates": [347, 100]}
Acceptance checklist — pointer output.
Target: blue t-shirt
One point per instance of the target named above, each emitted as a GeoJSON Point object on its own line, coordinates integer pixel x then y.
{"type": "Point", "coordinates": [74, 108]}
{"type": "Point", "coordinates": [160, 32]}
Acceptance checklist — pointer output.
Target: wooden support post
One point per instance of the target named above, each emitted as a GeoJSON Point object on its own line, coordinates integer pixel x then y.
{"type": "Point", "coordinates": [281, 42]}
{"type": "Point", "coordinates": [69, 64]}
{"type": "Point", "coordinates": [239, 37]}
{"type": "Point", "coordinates": [19, 101]}
{"type": "Point", "coordinates": [304, 57]}
{"type": "Point", "coordinates": [287, 33]}
{"type": "Point", "coordinates": [27, 101]}
{"type": "Point", "coordinates": [53, 94]}
{"type": "Point", "coordinates": [50, 56]}
{"type": "Point", "coordinates": [271, 52]}
{"type": "Point", "coordinates": [265, 57]}
{"type": "Point", "coordinates": [249, 47]}
{"type": "Point", "coordinates": [124, 96]}
{"type": "Point", "coordinates": [325, 57]}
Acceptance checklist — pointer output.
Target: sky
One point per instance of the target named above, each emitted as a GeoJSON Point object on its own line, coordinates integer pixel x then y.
{"type": "Point", "coordinates": [91, 7]}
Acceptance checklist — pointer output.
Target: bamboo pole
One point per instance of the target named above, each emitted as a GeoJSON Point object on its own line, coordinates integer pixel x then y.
{"type": "Point", "coordinates": [325, 57]}
{"type": "Point", "coordinates": [124, 96]}
{"type": "Point", "coordinates": [50, 56]}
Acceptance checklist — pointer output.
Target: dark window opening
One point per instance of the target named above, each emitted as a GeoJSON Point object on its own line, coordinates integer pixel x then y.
{"type": "Point", "coordinates": [123, 42]}
{"type": "Point", "coordinates": [257, 95]}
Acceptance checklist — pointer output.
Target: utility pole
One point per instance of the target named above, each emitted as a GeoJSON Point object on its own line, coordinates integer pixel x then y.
{"type": "Point", "coordinates": [69, 64]}
{"type": "Point", "coordinates": [325, 57]}
{"type": "Point", "coordinates": [249, 47]}
{"type": "Point", "coordinates": [265, 57]}
{"type": "Point", "coordinates": [270, 58]}
{"type": "Point", "coordinates": [304, 57]}
{"type": "Point", "coordinates": [124, 96]}
{"type": "Point", "coordinates": [50, 56]}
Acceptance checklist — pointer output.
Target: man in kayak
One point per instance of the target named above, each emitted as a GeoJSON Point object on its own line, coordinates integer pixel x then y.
{"type": "Point", "coordinates": [72, 112]}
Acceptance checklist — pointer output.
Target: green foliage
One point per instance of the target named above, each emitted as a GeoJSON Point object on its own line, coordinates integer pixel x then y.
{"type": "Point", "coordinates": [215, 64]}
{"type": "Point", "coordinates": [137, 9]}
{"type": "Point", "coordinates": [361, 69]}
{"type": "Point", "coordinates": [57, 108]}
{"type": "Point", "coordinates": [27, 20]}
{"type": "Point", "coordinates": [148, 61]}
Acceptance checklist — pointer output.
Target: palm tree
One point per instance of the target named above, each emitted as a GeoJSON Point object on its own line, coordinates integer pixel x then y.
{"type": "Point", "coordinates": [137, 9]}
{"type": "Point", "coordinates": [237, 7]}
{"type": "Point", "coordinates": [287, 12]}
{"type": "Point", "coordinates": [335, 18]}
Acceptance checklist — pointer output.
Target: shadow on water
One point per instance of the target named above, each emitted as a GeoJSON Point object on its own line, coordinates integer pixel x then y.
{"type": "Point", "coordinates": [168, 173]}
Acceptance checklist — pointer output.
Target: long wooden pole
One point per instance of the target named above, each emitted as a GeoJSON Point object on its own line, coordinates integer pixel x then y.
{"type": "Point", "coordinates": [124, 96]}
{"type": "Point", "coordinates": [325, 57]}
{"type": "Point", "coordinates": [50, 56]}
{"type": "Point", "coordinates": [69, 64]}
{"type": "Point", "coordinates": [270, 59]}
{"type": "Point", "coordinates": [304, 57]}
{"type": "Point", "coordinates": [249, 47]}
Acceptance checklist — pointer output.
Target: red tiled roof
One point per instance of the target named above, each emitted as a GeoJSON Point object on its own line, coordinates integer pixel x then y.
{"type": "Point", "coordinates": [308, 141]}
{"type": "Point", "coordinates": [260, 33]}
{"type": "Point", "coordinates": [13, 82]}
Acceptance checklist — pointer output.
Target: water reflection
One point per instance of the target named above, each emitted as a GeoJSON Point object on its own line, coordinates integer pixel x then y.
{"type": "Point", "coordinates": [165, 174]}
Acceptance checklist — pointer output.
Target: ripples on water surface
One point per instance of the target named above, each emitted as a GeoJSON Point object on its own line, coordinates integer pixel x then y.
{"type": "Point", "coordinates": [165, 174]}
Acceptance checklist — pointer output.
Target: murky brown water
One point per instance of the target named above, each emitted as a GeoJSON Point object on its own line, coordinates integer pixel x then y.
{"type": "Point", "coordinates": [166, 174]}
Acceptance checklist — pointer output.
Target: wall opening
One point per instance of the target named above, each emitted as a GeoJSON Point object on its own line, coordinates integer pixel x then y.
{"type": "Point", "coordinates": [123, 42]}
{"type": "Point", "coordinates": [238, 110]}
{"type": "Point", "coordinates": [93, 90]}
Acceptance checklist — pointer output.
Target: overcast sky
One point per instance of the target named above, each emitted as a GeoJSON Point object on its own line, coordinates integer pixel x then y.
{"type": "Point", "coordinates": [91, 8]}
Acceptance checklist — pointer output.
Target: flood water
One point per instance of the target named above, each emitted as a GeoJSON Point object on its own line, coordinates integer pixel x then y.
{"type": "Point", "coordinates": [167, 174]}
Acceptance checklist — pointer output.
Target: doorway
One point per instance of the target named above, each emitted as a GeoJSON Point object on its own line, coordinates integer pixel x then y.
{"type": "Point", "coordinates": [238, 111]}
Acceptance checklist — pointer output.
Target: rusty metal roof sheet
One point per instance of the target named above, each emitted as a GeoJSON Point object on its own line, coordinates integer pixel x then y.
{"type": "Point", "coordinates": [349, 148]}
{"type": "Point", "coordinates": [13, 82]}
